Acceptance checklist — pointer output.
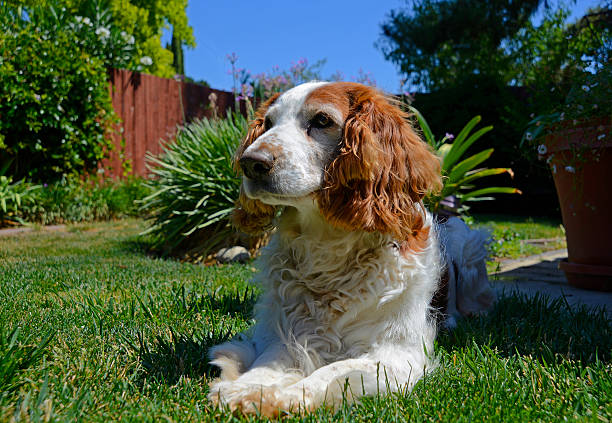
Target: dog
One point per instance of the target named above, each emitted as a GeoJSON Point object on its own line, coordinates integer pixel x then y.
{"type": "Point", "coordinates": [349, 275]}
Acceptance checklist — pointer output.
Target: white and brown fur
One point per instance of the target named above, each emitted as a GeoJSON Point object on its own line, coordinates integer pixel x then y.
{"type": "Point", "coordinates": [349, 275]}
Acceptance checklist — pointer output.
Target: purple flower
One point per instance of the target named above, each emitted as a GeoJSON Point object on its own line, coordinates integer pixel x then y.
{"type": "Point", "coordinates": [233, 58]}
{"type": "Point", "coordinates": [449, 136]}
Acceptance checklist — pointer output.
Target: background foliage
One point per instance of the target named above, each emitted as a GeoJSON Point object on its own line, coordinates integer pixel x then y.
{"type": "Point", "coordinates": [55, 110]}
{"type": "Point", "coordinates": [262, 85]}
{"type": "Point", "coordinates": [492, 58]}
{"type": "Point", "coordinates": [69, 200]}
{"type": "Point", "coordinates": [144, 20]}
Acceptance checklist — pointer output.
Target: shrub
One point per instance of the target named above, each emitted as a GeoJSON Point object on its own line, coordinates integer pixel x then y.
{"type": "Point", "coordinates": [55, 108]}
{"type": "Point", "coordinates": [72, 200]}
{"type": "Point", "coordinates": [194, 187]}
{"type": "Point", "coordinates": [13, 197]}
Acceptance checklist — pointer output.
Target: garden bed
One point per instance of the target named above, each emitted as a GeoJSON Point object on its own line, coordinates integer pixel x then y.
{"type": "Point", "coordinates": [129, 336]}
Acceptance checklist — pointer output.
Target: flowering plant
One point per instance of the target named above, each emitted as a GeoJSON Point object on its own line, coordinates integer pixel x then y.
{"type": "Point", "coordinates": [586, 116]}
{"type": "Point", "coordinates": [263, 85]}
{"type": "Point", "coordinates": [582, 122]}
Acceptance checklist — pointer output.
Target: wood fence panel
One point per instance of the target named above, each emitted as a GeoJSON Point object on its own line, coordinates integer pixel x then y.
{"type": "Point", "coordinates": [150, 110]}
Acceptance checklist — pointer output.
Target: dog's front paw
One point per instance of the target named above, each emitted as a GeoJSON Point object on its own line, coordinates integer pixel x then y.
{"type": "Point", "coordinates": [269, 401]}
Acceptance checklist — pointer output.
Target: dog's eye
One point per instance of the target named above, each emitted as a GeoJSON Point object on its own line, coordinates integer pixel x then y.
{"type": "Point", "coordinates": [321, 120]}
{"type": "Point", "coordinates": [267, 123]}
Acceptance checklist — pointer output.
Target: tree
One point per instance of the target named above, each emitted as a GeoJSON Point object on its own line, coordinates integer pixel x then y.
{"type": "Point", "coordinates": [176, 48]}
{"type": "Point", "coordinates": [495, 40]}
{"type": "Point", "coordinates": [145, 20]}
{"type": "Point", "coordinates": [442, 41]}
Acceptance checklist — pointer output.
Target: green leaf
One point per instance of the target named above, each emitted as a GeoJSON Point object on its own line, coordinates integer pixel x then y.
{"type": "Point", "coordinates": [466, 130]}
{"type": "Point", "coordinates": [472, 195]}
{"type": "Point", "coordinates": [429, 137]}
{"type": "Point", "coordinates": [458, 149]}
{"type": "Point", "coordinates": [481, 173]}
{"type": "Point", "coordinates": [471, 162]}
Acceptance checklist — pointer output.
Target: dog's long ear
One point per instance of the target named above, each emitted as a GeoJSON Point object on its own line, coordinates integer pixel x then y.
{"type": "Point", "coordinates": [381, 173]}
{"type": "Point", "coordinates": [252, 216]}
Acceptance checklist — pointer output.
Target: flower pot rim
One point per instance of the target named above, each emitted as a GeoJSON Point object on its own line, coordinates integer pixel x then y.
{"type": "Point", "coordinates": [585, 134]}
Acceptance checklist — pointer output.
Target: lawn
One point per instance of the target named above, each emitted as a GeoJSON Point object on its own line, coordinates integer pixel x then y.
{"type": "Point", "coordinates": [125, 336]}
{"type": "Point", "coordinates": [514, 237]}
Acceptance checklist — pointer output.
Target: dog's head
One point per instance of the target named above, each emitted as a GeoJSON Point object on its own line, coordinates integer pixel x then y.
{"type": "Point", "coordinates": [346, 146]}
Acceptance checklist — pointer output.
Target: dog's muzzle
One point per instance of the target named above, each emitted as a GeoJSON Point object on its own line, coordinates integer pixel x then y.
{"type": "Point", "coordinates": [256, 165]}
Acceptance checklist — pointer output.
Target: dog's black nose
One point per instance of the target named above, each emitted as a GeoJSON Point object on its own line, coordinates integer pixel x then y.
{"type": "Point", "coordinates": [256, 164]}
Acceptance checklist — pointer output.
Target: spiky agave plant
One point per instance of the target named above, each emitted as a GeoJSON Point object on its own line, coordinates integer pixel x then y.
{"type": "Point", "coordinates": [194, 187]}
{"type": "Point", "coordinates": [458, 173]}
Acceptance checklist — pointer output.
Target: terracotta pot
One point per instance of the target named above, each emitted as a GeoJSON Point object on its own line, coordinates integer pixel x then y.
{"type": "Point", "coordinates": [582, 170]}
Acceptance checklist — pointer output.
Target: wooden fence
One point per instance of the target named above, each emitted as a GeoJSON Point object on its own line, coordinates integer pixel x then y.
{"type": "Point", "coordinates": [151, 109]}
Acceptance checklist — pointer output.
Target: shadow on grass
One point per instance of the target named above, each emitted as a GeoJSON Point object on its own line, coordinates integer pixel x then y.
{"type": "Point", "coordinates": [545, 329]}
{"type": "Point", "coordinates": [167, 358]}
{"type": "Point", "coordinates": [140, 245]}
{"type": "Point", "coordinates": [538, 326]}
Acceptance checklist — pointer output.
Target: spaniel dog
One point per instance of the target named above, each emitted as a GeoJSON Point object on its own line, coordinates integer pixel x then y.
{"type": "Point", "coordinates": [349, 274]}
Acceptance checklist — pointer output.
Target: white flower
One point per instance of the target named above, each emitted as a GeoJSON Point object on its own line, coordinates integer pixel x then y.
{"type": "Point", "coordinates": [570, 169]}
{"type": "Point", "coordinates": [146, 60]}
{"type": "Point", "coordinates": [103, 33]}
{"type": "Point", "coordinates": [554, 168]}
{"type": "Point", "coordinates": [79, 19]}
{"type": "Point", "coordinates": [528, 136]}
{"type": "Point", "coordinates": [585, 88]}
{"type": "Point", "coordinates": [549, 159]}
{"type": "Point", "coordinates": [601, 136]}
{"type": "Point", "coordinates": [542, 149]}
{"type": "Point", "coordinates": [127, 37]}
{"type": "Point", "coordinates": [87, 21]}
{"type": "Point", "coordinates": [562, 116]}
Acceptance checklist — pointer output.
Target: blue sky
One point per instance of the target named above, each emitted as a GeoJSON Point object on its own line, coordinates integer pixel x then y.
{"type": "Point", "coordinates": [268, 33]}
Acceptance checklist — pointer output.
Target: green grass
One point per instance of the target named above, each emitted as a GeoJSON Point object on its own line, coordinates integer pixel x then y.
{"type": "Point", "coordinates": [107, 333]}
{"type": "Point", "coordinates": [512, 237]}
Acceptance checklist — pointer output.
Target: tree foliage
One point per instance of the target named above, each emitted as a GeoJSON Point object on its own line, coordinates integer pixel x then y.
{"type": "Point", "coordinates": [145, 20]}
{"type": "Point", "coordinates": [55, 109]}
{"type": "Point", "coordinates": [493, 58]}
{"type": "Point", "coordinates": [441, 41]}
{"type": "Point", "coordinates": [493, 39]}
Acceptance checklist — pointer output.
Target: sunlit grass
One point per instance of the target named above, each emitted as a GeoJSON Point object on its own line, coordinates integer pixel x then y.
{"type": "Point", "coordinates": [128, 336]}
{"type": "Point", "coordinates": [513, 237]}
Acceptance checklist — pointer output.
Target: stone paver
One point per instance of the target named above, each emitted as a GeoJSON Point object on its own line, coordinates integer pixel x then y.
{"type": "Point", "coordinates": [541, 275]}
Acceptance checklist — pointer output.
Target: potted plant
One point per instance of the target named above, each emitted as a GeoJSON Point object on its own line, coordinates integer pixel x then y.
{"type": "Point", "coordinates": [576, 142]}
